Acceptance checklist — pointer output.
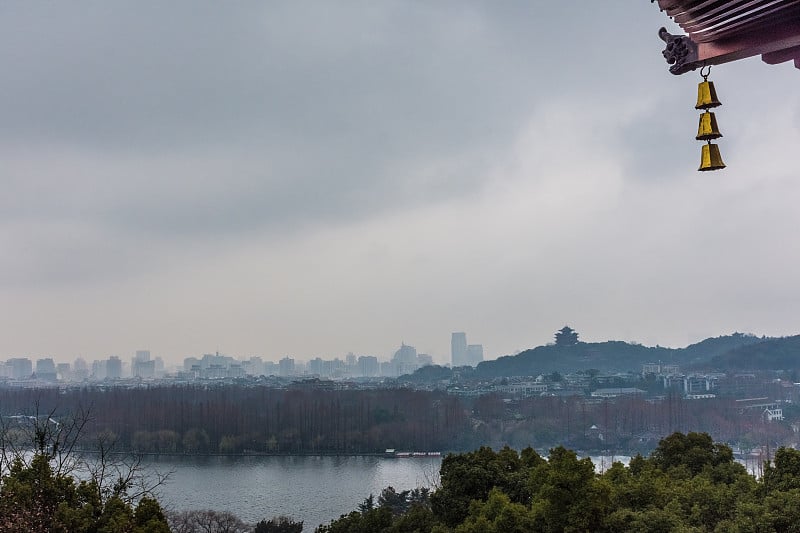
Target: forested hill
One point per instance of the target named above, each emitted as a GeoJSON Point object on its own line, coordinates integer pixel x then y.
{"type": "Point", "coordinates": [609, 356]}
{"type": "Point", "coordinates": [712, 347]}
{"type": "Point", "coordinates": [766, 354]}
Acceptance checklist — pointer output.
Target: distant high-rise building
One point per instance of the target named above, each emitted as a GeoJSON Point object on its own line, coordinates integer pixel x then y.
{"type": "Point", "coordinates": [114, 367]}
{"type": "Point", "coordinates": [64, 371]}
{"type": "Point", "coordinates": [406, 354]}
{"type": "Point", "coordinates": [142, 366]}
{"type": "Point", "coordinates": [368, 366]}
{"type": "Point", "coordinates": [189, 364]}
{"type": "Point", "coordinates": [388, 369]}
{"type": "Point", "coordinates": [254, 366]}
{"type": "Point", "coordinates": [458, 349]}
{"type": "Point", "coordinates": [352, 364]}
{"type": "Point", "coordinates": [286, 366]}
{"type": "Point", "coordinates": [144, 369]}
{"type": "Point", "coordinates": [99, 369]}
{"type": "Point", "coordinates": [405, 360]}
{"type": "Point", "coordinates": [46, 369]}
{"type": "Point", "coordinates": [315, 366]}
{"type": "Point", "coordinates": [80, 370]}
{"type": "Point", "coordinates": [20, 367]}
{"type": "Point", "coordinates": [474, 354]}
{"type": "Point", "coordinates": [160, 368]}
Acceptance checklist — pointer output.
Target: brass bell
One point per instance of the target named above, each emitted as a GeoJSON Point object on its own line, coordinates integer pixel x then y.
{"type": "Point", "coordinates": [710, 158]}
{"type": "Point", "coordinates": [708, 129]}
{"type": "Point", "coordinates": [706, 95]}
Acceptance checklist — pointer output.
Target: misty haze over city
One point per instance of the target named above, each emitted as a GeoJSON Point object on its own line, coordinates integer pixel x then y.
{"type": "Point", "coordinates": [399, 267]}
{"type": "Point", "coordinates": [310, 180]}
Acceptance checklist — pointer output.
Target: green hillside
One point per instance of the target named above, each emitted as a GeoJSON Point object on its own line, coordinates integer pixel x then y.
{"type": "Point", "coordinates": [767, 354]}
{"type": "Point", "coordinates": [610, 356]}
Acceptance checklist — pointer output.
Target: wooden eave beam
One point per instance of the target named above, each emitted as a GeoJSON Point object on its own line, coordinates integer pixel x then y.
{"type": "Point", "coordinates": [788, 54]}
{"type": "Point", "coordinates": [770, 29]}
{"type": "Point", "coordinates": [748, 45]}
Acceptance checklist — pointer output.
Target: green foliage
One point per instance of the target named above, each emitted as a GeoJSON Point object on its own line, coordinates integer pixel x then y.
{"type": "Point", "coordinates": [498, 514]}
{"type": "Point", "coordinates": [417, 519]}
{"type": "Point", "coordinates": [149, 516]}
{"type": "Point", "coordinates": [762, 354]}
{"type": "Point", "coordinates": [730, 351]}
{"type": "Point", "coordinates": [39, 491]}
{"type": "Point", "coordinates": [557, 487]}
{"type": "Point", "coordinates": [471, 476]}
{"type": "Point", "coordinates": [33, 497]}
{"type": "Point", "coordinates": [373, 521]}
{"type": "Point", "coordinates": [694, 451]}
{"type": "Point", "coordinates": [279, 524]}
{"type": "Point", "coordinates": [407, 511]}
{"type": "Point", "coordinates": [784, 473]}
{"type": "Point", "coordinates": [689, 484]}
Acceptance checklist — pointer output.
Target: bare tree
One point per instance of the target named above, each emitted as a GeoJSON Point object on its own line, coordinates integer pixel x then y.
{"type": "Point", "coordinates": [206, 521]}
{"type": "Point", "coordinates": [23, 436]}
{"type": "Point", "coordinates": [58, 438]}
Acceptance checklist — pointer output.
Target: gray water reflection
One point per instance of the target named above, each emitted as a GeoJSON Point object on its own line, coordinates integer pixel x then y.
{"type": "Point", "coordinates": [313, 489]}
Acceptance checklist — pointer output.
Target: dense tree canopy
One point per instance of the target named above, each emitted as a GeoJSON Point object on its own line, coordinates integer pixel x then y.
{"type": "Point", "coordinates": [688, 484]}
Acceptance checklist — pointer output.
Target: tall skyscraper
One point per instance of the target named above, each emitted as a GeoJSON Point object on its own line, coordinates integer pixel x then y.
{"type": "Point", "coordinates": [458, 349]}
{"type": "Point", "coordinates": [286, 366]}
{"type": "Point", "coordinates": [474, 354]}
{"type": "Point", "coordinates": [80, 370]}
{"type": "Point", "coordinates": [142, 366]}
{"type": "Point", "coordinates": [368, 366]}
{"type": "Point", "coordinates": [405, 360]}
{"type": "Point", "coordinates": [113, 367]}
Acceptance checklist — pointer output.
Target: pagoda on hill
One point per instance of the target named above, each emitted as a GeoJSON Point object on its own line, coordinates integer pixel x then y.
{"type": "Point", "coordinates": [566, 336]}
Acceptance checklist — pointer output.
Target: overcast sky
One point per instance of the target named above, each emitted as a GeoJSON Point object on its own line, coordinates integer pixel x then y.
{"type": "Point", "coordinates": [314, 178]}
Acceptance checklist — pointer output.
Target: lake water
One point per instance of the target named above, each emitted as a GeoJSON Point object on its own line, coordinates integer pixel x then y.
{"type": "Point", "coordinates": [313, 489]}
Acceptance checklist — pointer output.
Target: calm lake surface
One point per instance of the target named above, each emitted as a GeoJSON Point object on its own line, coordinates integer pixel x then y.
{"type": "Point", "coordinates": [313, 489]}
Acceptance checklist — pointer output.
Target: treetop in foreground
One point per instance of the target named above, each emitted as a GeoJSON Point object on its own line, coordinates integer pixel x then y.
{"type": "Point", "coordinates": [688, 484]}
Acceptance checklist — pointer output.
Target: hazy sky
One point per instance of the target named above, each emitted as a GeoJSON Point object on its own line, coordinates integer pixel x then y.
{"type": "Point", "coordinates": [314, 178]}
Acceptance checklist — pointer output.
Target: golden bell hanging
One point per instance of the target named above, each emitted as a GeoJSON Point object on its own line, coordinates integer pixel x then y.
{"type": "Point", "coordinates": [706, 95]}
{"type": "Point", "coordinates": [710, 158]}
{"type": "Point", "coordinates": [708, 129]}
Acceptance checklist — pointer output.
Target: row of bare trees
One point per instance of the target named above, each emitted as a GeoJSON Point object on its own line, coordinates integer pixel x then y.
{"type": "Point", "coordinates": [237, 419]}
{"type": "Point", "coordinates": [629, 423]}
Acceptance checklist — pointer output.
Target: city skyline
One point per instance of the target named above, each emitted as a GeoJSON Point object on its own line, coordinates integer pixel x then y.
{"type": "Point", "coordinates": [147, 355]}
{"type": "Point", "coordinates": [317, 178]}
{"type": "Point", "coordinates": [450, 359]}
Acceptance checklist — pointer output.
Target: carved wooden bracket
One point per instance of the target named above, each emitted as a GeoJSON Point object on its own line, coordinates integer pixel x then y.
{"type": "Point", "coordinates": [680, 52]}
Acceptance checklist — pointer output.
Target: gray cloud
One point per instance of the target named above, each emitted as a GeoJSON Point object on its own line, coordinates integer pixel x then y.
{"type": "Point", "coordinates": [377, 172]}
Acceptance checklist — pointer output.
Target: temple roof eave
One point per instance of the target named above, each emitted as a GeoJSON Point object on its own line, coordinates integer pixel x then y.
{"type": "Point", "coordinates": [720, 32]}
